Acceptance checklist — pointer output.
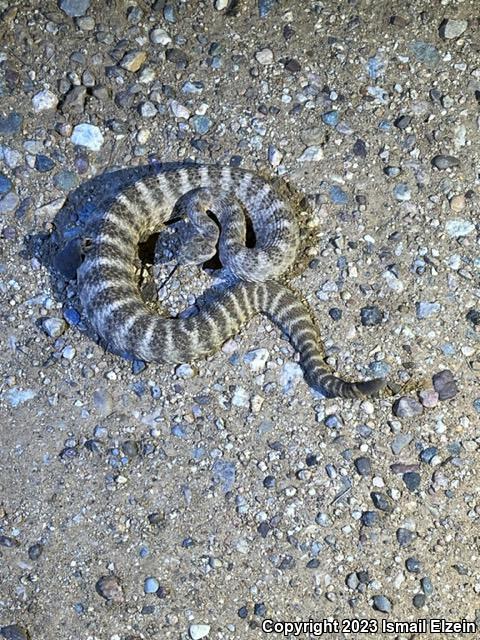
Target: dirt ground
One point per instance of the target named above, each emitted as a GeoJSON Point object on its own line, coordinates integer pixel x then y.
{"type": "Point", "coordinates": [219, 498]}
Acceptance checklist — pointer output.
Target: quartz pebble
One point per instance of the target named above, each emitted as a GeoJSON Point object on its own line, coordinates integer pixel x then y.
{"type": "Point", "coordinates": [458, 227]}
{"type": "Point", "coordinates": [87, 135]}
{"type": "Point", "coordinates": [159, 36]}
{"type": "Point", "coordinates": [311, 154]}
{"type": "Point", "coordinates": [450, 29]}
{"type": "Point", "coordinates": [198, 631]}
{"type": "Point", "coordinates": [54, 327]}
{"type": "Point", "coordinates": [264, 56]}
{"type": "Point", "coordinates": [44, 100]}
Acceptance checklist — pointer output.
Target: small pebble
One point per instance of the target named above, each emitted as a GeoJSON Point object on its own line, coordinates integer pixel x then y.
{"type": "Point", "coordinates": [363, 466]}
{"type": "Point", "coordinates": [371, 316]}
{"type": "Point", "coordinates": [405, 536]}
{"type": "Point", "coordinates": [407, 407]}
{"type": "Point", "coordinates": [133, 60]}
{"type": "Point", "coordinates": [14, 632]}
{"type": "Point", "coordinates": [458, 228]}
{"type": "Point", "coordinates": [427, 586]}
{"type": "Point", "coordinates": [109, 588]}
{"type": "Point", "coordinates": [381, 501]}
{"type": "Point", "coordinates": [457, 203]}
{"type": "Point", "coordinates": [428, 398]}
{"type": "Point", "coordinates": [419, 600]}
{"type": "Point", "coordinates": [87, 135]}
{"type": "Point", "coordinates": [445, 385]}
{"type": "Point", "coordinates": [413, 565]}
{"type": "Point", "coordinates": [450, 29]}
{"type": "Point", "coordinates": [159, 36]}
{"type": "Point", "coordinates": [54, 327]}
{"type": "Point", "coordinates": [151, 585]}
{"type": "Point", "coordinates": [311, 154]}
{"type": "Point", "coordinates": [265, 56]}
{"type": "Point", "coordinates": [74, 8]}
{"type": "Point", "coordinates": [402, 192]}
{"type": "Point", "coordinates": [381, 603]}
{"type": "Point", "coordinates": [445, 162]}
{"type": "Point", "coordinates": [44, 100]}
{"type": "Point", "coordinates": [198, 631]}
{"type": "Point", "coordinates": [426, 309]}
{"type": "Point", "coordinates": [428, 454]}
{"type": "Point", "coordinates": [43, 163]}
{"type": "Point", "coordinates": [411, 480]}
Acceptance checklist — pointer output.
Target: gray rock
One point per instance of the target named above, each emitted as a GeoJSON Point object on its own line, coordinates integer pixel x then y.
{"type": "Point", "coordinates": [411, 480]}
{"type": "Point", "coordinates": [15, 397]}
{"type": "Point", "coordinates": [74, 8]}
{"type": "Point", "coordinates": [10, 124]}
{"type": "Point", "coordinates": [14, 632]}
{"type": "Point", "coordinates": [445, 162]}
{"type": "Point", "coordinates": [9, 203]}
{"type": "Point", "coordinates": [400, 441]}
{"type": "Point", "coordinates": [381, 603]}
{"type": "Point", "coordinates": [363, 466]}
{"type": "Point", "coordinates": [151, 585]}
{"type": "Point", "coordinates": [407, 407]}
{"type": "Point", "coordinates": [402, 192]}
{"type": "Point", "coordinates": [311, 154]}
{"type": "Point", "coordinates": [427, 309]}
{"type": "Point", "coordinates": [405, 536]}
{"type": "Point", "coordinates": [5, 184]}
{"type": "Point", "coordinates": [147, 109]}
{"type": "Point", "coordinates": [74, 101]}
{"type": "Point", "coordinates": [445, 385]}
{"type": "Point", "coordinates": [450, 29]}
{"type": "Point", "coordinates": [370, 316]}
{"type": "Point", "coordinates": [201, 124]}
{"type": "Point", "coordinates": [223, 472]}
{"type": "Point", "coordinates": [265, 6]}
{"type": "Point", "coordinates": [425, 53]}
{"type": "Point", "coordinates": [380, 501]}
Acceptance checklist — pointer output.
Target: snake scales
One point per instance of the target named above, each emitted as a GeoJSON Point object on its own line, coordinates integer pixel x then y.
{"type": "Point", "coordinates": [111, 299]}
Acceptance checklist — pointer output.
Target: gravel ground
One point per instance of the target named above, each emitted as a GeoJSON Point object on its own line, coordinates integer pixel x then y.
{"type": "Point", "coordinates": [199, 501]}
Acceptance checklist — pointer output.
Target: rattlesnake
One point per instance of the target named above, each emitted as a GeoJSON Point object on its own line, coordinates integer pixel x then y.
{"type": "Point", "coordinates": [110, 295]}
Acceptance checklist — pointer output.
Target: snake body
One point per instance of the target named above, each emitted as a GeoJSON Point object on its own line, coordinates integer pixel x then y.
{"type": "Point", "coordinates": [111, 299]}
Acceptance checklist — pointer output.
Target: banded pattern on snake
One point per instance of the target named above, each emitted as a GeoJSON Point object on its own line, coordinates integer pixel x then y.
{"type": "Point", "coordinates": [110, 294]}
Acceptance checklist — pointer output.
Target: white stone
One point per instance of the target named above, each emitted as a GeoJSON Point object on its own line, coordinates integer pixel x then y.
{"type": "Point", "coordinates": [264, 56]}
{"type": "Point", "coordinates": [87, 135]}
{"type": "Point", "coordinates": [458, 227]}
{"type": "Point", "coordinates": [241, 397]}
{"type": "Point", "coordinates": [453, 28]}
{"type": "Point", "coordinates": [160, 36]}
{"type": "Point", "coordinates": [311, 154]}
{"type": "Point", "coordinates": [256, 359]}
{"type": "Point", "coordinates": [221, 4]}
{"type": "Point", "coordinates": [54, 327]}
{"type": "Point", "coordinates": [178, 110]}
{"type": "Point", "coordinates": [198, 631]}
{"type": "Point", "coordinates": [44, 100]}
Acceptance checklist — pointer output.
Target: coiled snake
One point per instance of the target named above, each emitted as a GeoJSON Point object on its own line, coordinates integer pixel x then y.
{"type": "Point", "coordinates": [111, 298]}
